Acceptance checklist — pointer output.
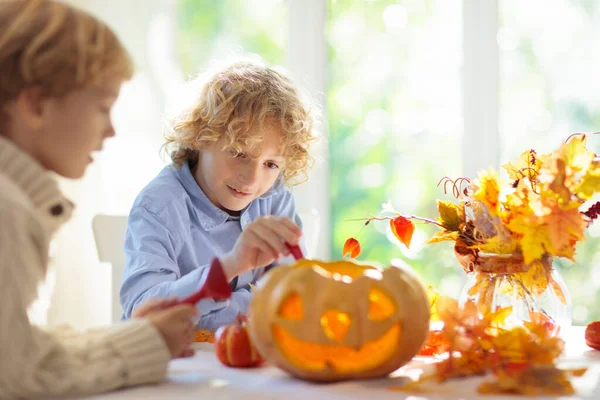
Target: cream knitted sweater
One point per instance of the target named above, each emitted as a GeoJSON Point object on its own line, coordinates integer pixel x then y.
{"type": "Point", "coordinates": [39, 362]}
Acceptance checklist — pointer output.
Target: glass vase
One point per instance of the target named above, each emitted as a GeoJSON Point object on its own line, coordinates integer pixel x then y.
{"type": "Point", "coordinates": [536, 292]}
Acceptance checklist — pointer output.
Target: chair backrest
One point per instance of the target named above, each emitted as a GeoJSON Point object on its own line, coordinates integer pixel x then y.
{"type": "Point", "coordinates": [109, 233]}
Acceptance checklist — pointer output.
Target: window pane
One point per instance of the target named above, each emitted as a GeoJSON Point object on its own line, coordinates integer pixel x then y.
{"type": "Point", "coordinates": [549, 63]}
{"type": "Point", "coordinates": [395, 123]}
{"type": "Point", "coordinates": [216, 30]}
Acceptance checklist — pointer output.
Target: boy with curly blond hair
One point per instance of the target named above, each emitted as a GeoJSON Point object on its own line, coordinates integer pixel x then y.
{"type": "Point", "coordinates": [235, 152]}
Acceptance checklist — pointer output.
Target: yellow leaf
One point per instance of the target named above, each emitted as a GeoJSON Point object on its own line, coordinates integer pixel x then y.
{"type": "Point", "coordinates": [488, 191]}
{"type": "Point", "coordinates": [433, 295]}
{"type": "Point", "coordinates": [533, 380]}
{"type": "Point", "coordinates": [557, 290]}
{"type": "Point", "coordinates": [523, 167]}
{"type": "Point", "coordinates": [451, 215]}
{"type": "Point", "coordinates": [590, 182]}
{"type": "Point", "coordinates": [442, 236]}
{"type": "Point", "coordinates": [498, 245]}
{"type": "Point", "coordinates": [563, 224]}
{"type": "Point", "coordinates": [498, 317]}
{"type": "Point", "coordinates": [575, 154]}
{"type": "Point", "coordinates": [536, 278]}
{"type": "Point", "coordinates": [558, 183]}
{"type": "Point", "coordinates": [535, 238]}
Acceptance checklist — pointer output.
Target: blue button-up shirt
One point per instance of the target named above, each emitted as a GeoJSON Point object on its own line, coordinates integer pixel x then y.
{"type": "Point", "coordinates": [173, 234]}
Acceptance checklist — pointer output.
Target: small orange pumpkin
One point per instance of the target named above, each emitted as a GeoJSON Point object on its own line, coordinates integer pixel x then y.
{"type": "Point", "coordinates": [592, 335]}
{"type": "Point", "coordinates": [340, 320]}
{"type": "Point", "coordinates": [234, 347]}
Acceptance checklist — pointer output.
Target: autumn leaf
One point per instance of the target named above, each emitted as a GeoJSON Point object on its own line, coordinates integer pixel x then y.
{"type": "Point", "coordinates": [403, 229]}
{"type": "Point", "coordinates": [504, 244]}
{"type": "Point", "coordinates": [532, 380]}
{"type": "Point", "coordinates": [436, 343]}
{"type": "Point", "coordinates": [483, 290]}
{"type": "Point", "coordinates": [351, 247]}
{"type": "Point", "coordinates": [543, 321]}
{"type": "Point", "coordinates": [523, 167]}
{"type": "Point", "coordinates": [590, 182]}
{"type": "Point", "coordinates": [534, 280]}
{"type": "Point", "coordinates": [498, 318]}
{"type": "Point", "coordinates": [558, 183]}
{"type": "Point", "coordinates": [562, 224]}
{"type": "Point", "coordinates": [488, 191]}
{"type": "Point", "coordinates": [452, 216]}
{"type": "Point", "coordinates": [442, 236]}
{"type": "Point", "coordinates": [558, 291]}
{"type": "Point", "coordinates": [461, 365]}
{"type": "Point", "coordinates": [432, 295]}
{"type": "Point", "coordinates": [460, 320]}
{"type": "Point", "coordinates": [535, 238]}
{"type": "Point", "coordinates": [575, 154]}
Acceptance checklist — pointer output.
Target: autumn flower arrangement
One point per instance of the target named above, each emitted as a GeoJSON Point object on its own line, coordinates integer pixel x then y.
{"type": "Point", "coordinates": [517, 229]}
{"type": "Point", "coordinates": [534, 218]}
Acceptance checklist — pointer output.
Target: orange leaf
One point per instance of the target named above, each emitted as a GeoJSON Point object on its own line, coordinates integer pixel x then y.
{"type": "Point", "coordinates": [351, 247]}
{"type": "Point", "coordinates": [403, 229]}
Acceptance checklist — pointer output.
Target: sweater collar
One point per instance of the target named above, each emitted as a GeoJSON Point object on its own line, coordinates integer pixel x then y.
{"type": "Point", "coordinates": [37, 183]}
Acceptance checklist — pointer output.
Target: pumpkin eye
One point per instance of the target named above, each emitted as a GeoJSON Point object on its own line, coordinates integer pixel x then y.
{"type": "Point", "coordinates": [335, 324]}
{"type": "Point", "coordinates": [380, 305]}
{"type": "Point", "coordinates": [291, 308]}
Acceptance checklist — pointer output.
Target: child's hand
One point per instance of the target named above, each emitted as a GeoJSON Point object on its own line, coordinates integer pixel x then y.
{"type": "Point", "coordinates": [152, 305]}
{"type": "Point", "coordinates": [261, 243]}
{"type": "Point", "coordinates": [176, 327]}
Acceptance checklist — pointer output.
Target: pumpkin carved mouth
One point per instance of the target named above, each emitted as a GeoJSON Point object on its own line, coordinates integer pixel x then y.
{"type": "Point", "coordinates": [344, 359]}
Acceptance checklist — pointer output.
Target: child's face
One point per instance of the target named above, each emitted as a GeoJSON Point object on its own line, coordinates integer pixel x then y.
{"type": "Point", "coordinates": [231, 181]}
{"type": "Point", "coordinates": [64, 132]}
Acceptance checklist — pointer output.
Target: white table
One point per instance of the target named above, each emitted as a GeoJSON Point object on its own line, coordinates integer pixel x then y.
{"type": "Point", "coordinates": [204, 377]}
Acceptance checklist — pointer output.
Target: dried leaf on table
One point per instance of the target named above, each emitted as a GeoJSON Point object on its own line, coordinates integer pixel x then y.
{"type": "Point", "coordinates": [204, 335]}
{"type": "Point", "coordinates": [534, 380]}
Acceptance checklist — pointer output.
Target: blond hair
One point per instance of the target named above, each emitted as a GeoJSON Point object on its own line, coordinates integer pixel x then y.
{"type": "Point", "coordinates": [48, 44]}
{"type": "Point", "coordinates": [232, 104]}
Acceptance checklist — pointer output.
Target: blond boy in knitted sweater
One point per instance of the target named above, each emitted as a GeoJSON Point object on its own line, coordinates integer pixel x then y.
{"type": "Point", "coordinates": [60, 74]}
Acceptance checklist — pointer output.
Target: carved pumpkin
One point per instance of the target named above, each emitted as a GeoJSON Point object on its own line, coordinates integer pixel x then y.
{"type": "Point", "coordinates": [340, 320]}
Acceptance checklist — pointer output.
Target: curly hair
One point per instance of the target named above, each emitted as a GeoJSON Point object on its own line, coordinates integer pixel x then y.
{"type": "Point", "coordinates": [57, 47]}
{"type": "Point", "coordinates": [233, 104]}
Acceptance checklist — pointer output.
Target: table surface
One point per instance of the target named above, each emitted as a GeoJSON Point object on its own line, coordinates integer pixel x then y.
{"type": "Point", "coordinates": [204, 377]}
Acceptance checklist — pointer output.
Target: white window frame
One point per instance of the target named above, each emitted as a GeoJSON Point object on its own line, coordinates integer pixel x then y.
{"type": "Point", "coordinates": [307, 61]}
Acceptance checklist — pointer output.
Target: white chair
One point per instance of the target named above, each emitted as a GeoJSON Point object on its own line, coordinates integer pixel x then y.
{"type": "Point", "coordinates": [109, 233]}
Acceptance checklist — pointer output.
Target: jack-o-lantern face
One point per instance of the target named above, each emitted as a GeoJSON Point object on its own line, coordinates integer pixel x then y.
{"type": "Point", "coordinates": [342, 320]}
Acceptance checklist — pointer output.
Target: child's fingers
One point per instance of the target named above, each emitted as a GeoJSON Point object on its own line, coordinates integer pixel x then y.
{"type": "Point", "coordinates": [273, 241]}
{"type": "Point", "coordinates": [149, 306]}
{"type": "Point", "coordinates": [285, 229]}
{"type": "Point", "coordinates": [257, 241]}
{"type": "Point", "coordinates": [281, 230]}
{"type": "Point", "coordinates": [272, 236]}
{"type": "Point", "coordinates": [182, 312]}
{"type": "Point", "coordinates": [291, 225]}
